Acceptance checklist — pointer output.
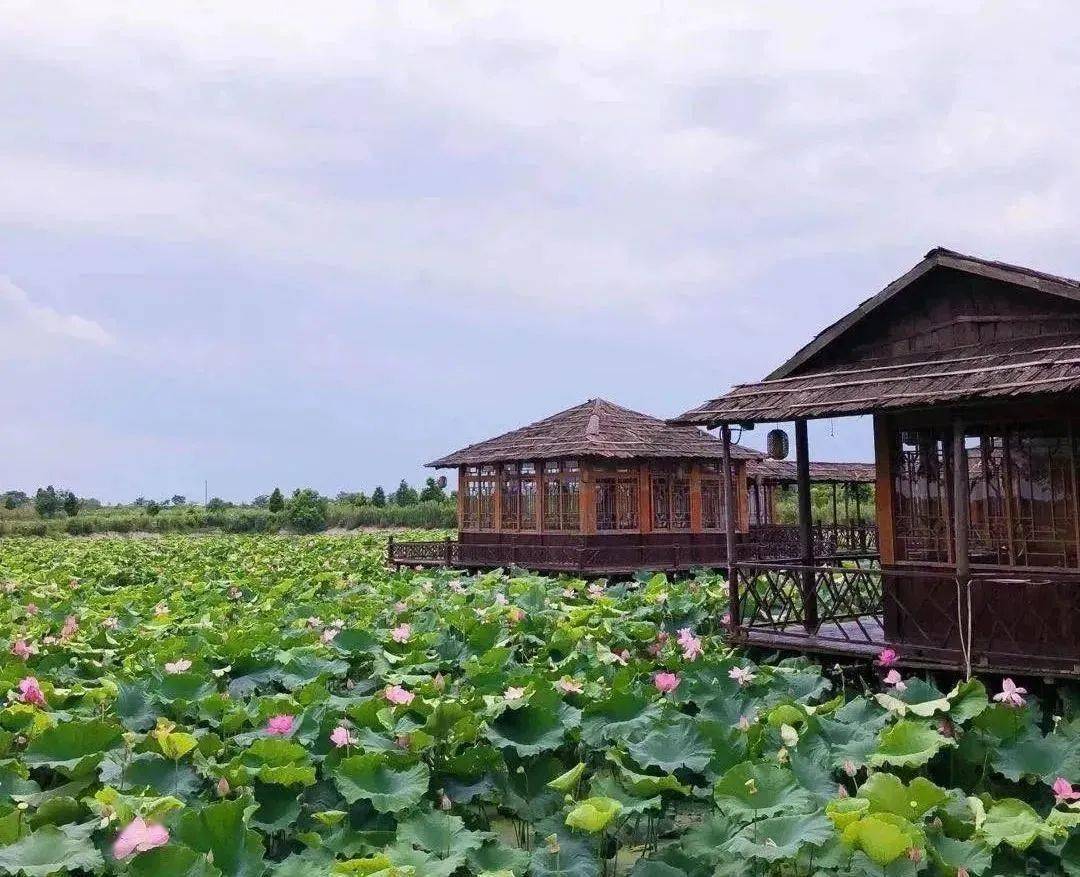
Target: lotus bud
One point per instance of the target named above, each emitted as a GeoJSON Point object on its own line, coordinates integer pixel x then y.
{"type": "Point", "coordinates": [915, 854]}
{"type": "Point", "coordinates": [841, 792]}
{"type": "Point", "coordinates": [444, 802]}
{"type": "Point", "coordinates": [223, 788]}
{"type": "Point", "coordinates": [849, 768]}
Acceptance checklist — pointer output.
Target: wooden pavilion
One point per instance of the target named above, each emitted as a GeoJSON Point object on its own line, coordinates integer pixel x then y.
{"type": "Point", "coordinates": [971, 371]}
{"type": "Point", "coordinates": [597, 488]}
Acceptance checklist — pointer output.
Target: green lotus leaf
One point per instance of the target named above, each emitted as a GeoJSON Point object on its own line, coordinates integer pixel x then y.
{"type": "Point", "coordinates": [1032, 754]}
{"type": "Point", "coordinates": [73, 748]}
{"type": "Point", "coordinates": [189, 686]}
{"type": "Point", "coordinates": [884, 837]}
{"type": "Point", "coordinates": [672, 746]}
{"type": "Point", "coordinates": [496, 857]}
{"type": "Point", "coordinates": [751, 791]}
{"type": "Point", "coordinates": [593, 814]}
{"type": "Point", "coordinates": [888, 794]}
{"type": "Point", "coordinates": [133, 707]}
{"type": "Point", "coordinates": [780, 837]}
{"type": "Point", "coordinates": [221, 830]}
{"type": "Point", "coordinates": [57, 811]}
{"type": "Point", "coordinates": [844, 811]}
{"type": "Point", "coordinates": [567, 781]}
{"type": "Point", "coordinates": [1013, 822]}
{"type": "Point", "coordinates": [645, 785]}
{"type": "Point", "coordinates": [172, 860]}
{"type": "Point", "coordinates": [389, 788]}
{"type": "Point", "coordinates": [537, 727]}
{"type": "Point", "coordinates": [967, 700]}
{"type": "Point", "coordinates": [616, 717]}
{"type": "Point", "coordinates": [176, 744]}
{"type": "Point", "coordinates": [441, 834]}
{"type": "Point", "coordinates": [706, 841]}
{"type": "Point", "coordinates": [152, 771]}
{"type": "Point", "coordinates": [51, 850]}
{"type": "Point", "coordinates": [908, 744]}
{"type": "Point", "coordinates": [279, 806]}
{"type": "Point", "coordinates": [953, 854]}
{"type": "Point", "coordinates": [570, 857]}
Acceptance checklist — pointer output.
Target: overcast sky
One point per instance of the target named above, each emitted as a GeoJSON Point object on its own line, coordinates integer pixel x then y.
{"type": "Point", "coordinates": [322, 243]}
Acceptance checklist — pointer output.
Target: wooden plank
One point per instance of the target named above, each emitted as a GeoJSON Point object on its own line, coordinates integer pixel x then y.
{"type": "Point", "coordinates": [645, 498]}
{"type": "Point", "coordinates": [961, 529]}
{"type": "Point", "coordinates": [695, 497]}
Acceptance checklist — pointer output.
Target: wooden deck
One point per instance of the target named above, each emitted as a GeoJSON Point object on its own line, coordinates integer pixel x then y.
{"type": "Point", "coordinates": [858, 638]}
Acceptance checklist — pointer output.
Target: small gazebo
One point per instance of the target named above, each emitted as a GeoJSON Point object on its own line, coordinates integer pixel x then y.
{"type": "Point", "coordinates": [596, 488]}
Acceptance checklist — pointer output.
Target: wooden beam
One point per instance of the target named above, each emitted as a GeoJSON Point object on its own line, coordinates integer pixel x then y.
{"type": "Point", "coordinates": [961, 529]}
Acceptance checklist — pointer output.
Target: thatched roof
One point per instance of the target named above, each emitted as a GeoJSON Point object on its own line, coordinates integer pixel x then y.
{"type": "Point", "coordinates": [784, 472]}
{"type": "Point", "coordinates": [595, 429]}
{"type": "Point", "coordinates": [1019, 367]}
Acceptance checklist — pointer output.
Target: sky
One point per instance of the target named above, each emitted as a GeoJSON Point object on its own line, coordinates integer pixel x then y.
{"type": "Point", "coordinates": [258, 244]}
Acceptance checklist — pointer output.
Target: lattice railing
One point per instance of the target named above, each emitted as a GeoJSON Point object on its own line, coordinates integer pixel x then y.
{"type": "Point", "coordinates": [444, 552]}
{"type": "Point", "coordinates": [844, 603]}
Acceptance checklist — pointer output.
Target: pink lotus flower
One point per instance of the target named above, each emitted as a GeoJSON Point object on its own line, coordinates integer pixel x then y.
{"type": "Point", "coordinates": [742, 675]}
{"type": "Point", "coordinates": [223, 787]}
{"type": "Point", "coordinates": [32, 609]}
{"type": "Point", "coordinates": [596, 590]}
{"type": "Point", "coordinates": [341, 737]}
{"type": "Point", "coordinates": [70, 628]}
{"type": "Point", "coordinates": [744, 723]}
{"type": "Point", "coordinates": [398, 695]}
{"type": "Point", "coordinates": [235, 593]}
{"type": "Point", "coordinates": [514, 693]}
{"type": "Point", "coordinates": [656, 645]}
{"type": "Point", "coordinates": [1063, 791]}
{"type": "Point", "coordinates": [725, 619]}
{"type": "Point", "coordinates": [622, 657]}
{"type": "Point", "coordinates": [402, 741]}
{"type": "Point", "coordinates": [887, 657]}
{"type": "Point", "coordinates": [400, 607]}
{"type": "Point", "coordinates": [842, 792]}
{"type": "Point", "coordinates": [30, 692]}
{"type": "Point", "coordinates": [666, 682]}
{"type": "Point", "coordinates": [329, 634]}
{"type": "Point", "coordinates": [568, 686]}
{"type": "Point", "coordinates": [515, 614]}
{"type": "Point", "coordinates": [1010, 694]}
{"type": "Point", "coordinates": [313, 622]}
{"type": "Point", "coordinates": [691, 648]}
{"type": "Point", "coordinates": [280, 726]}
{"type": "Point", "coordinates": [181, 666]}
{"type": "Point", "coordinates": [401, 633]}
{"type": "Point", "coordinates": [962, 872]}
{"type": "Point", "coordinates": [21, 650]}
{"type": "Point", "coordinates": [439, 682]}
{"type": "Point", "coordinates": [457, 587]}
{"type": "Point", "coordinates": [945, 728]}
{"type": "Point", "coordinates": [849, 768]}
{"type": "Point", "coordinates": [500, 600]}
{"type": "Point", "coordinates": [138, 837]}
{"type": "Point", "coordinates": [893, 678]}
{"type": "Point", "coordinates": [110, 623]}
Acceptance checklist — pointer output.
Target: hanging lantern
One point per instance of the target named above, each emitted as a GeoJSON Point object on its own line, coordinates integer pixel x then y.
{"type": "Point", "coordinates": [441, 482]}
{"type": "Point", "coordinates": [776, 444]}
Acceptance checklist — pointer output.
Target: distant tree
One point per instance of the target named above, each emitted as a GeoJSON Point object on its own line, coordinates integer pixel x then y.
{"type": "Point", "coordinates": [178, 499]}
{"type": "Point", "coordinates": [261, 501]}
{"type": "Point", "coordinates": [71, 504]}
{"type": "Point", "coordinates": [140, 501]}
{"type": "Point", "coordinates": [216, 504]}
{"type": "Point", "coordinates": [47, 502]}
{"type": "Point", "coordinates": [276, 502]}
{"type": "Point", "coordinates": [153, 507]}
{"type": "Point", "coordinates": [306, 511]}
{"type": "Point", "coordinates": [15, 499]}
{"type": "Point", "coordinates": [378, 497]}
{"type": "Point", "coordinates": [350, 498]}
{"type": "Point", "coordinates": [405, 495]}
{"type": "Point", "coordinates": [432, 492]}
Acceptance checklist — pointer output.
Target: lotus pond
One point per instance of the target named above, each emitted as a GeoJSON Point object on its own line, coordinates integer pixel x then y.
{"type": "Point", "coordinates": [248, 706]}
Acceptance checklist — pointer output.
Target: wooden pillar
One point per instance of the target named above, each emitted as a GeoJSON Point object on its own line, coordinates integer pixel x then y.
{"type": "Point", "coordinates": [587, 499]}
{"type": "Point", "coordinates": [834, 521]}
{"type": "Point", "coordinates": [461, 498]}
{"type": "Point", "coordinates": [884, 458]}
{"type": "Point", "coordinates": [742, 497]}
{"type": "Point", "coordinates": [695, 497]}
{"type": "Point", "coordinates": [961, 526]}
{"type": "Point", "coordinates": [729, 526]}
{"type": "Point", "coordinates": [496, 503]}
{"type": "Point", "coordinates": [806, 535]}
{"type": "Point", "coordinates": [645, 498]}
{"type": "Point", "coordinates": [539, 510]}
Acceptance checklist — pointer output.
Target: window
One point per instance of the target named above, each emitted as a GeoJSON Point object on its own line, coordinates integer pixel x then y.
{"type": "Point", "coordinates": [921, 479]}
{"type": "Point", "coordinates": [478, 492]}
{"type": "Point", "coordinates": [519, 496]}
{"type": "Point", "coordinates": [562, 491]}
{"type": "Point", "coordinates": [617, 499]}
{"type": "Point", "coordinates": [671, 498]}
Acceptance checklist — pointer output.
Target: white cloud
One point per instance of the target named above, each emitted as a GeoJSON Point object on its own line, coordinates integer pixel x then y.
{"type": "Point", "coordinates": [22, 315]}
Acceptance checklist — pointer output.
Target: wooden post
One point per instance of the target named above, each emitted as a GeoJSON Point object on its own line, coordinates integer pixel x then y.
{"type": "Point", "coordinates": [742, 497]}
{"type": "Point", "coordinates": [883, 488]}
{"type": "Point", "coordinates": [806, 535]}
{"type": "Point", "coordinates": [1072, 482]}
{"type": "Point", "coordinates": [586, 499]}
{"type": "Point", "coordinates": [961, 525]}
{"type": "Point", "coordinates": [496, 501]}
{"type": "Point", "coordinates": [449, 552]}
{"type": "Point", "coordinates": [461, 498]}
{"type": "Point", "coordinates": [539, 496]}
{"type": "Point", "coordinates": [729, 526]}
{"type": "Point", "coordinates": [390, 550]}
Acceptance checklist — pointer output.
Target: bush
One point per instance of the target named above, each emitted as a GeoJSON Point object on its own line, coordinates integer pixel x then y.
{"type": "Point", "coordinates": [306, 511]}
{"type": "Point", "coordinates": [276, 503]}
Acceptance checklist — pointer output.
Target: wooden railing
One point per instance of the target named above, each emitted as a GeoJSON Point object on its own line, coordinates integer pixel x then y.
{"type": "Point", "coordinates": [781, 541]}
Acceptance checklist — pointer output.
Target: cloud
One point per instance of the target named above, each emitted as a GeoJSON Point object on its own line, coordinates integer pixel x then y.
{"type": "Point", "coordinates": [22, 315]}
